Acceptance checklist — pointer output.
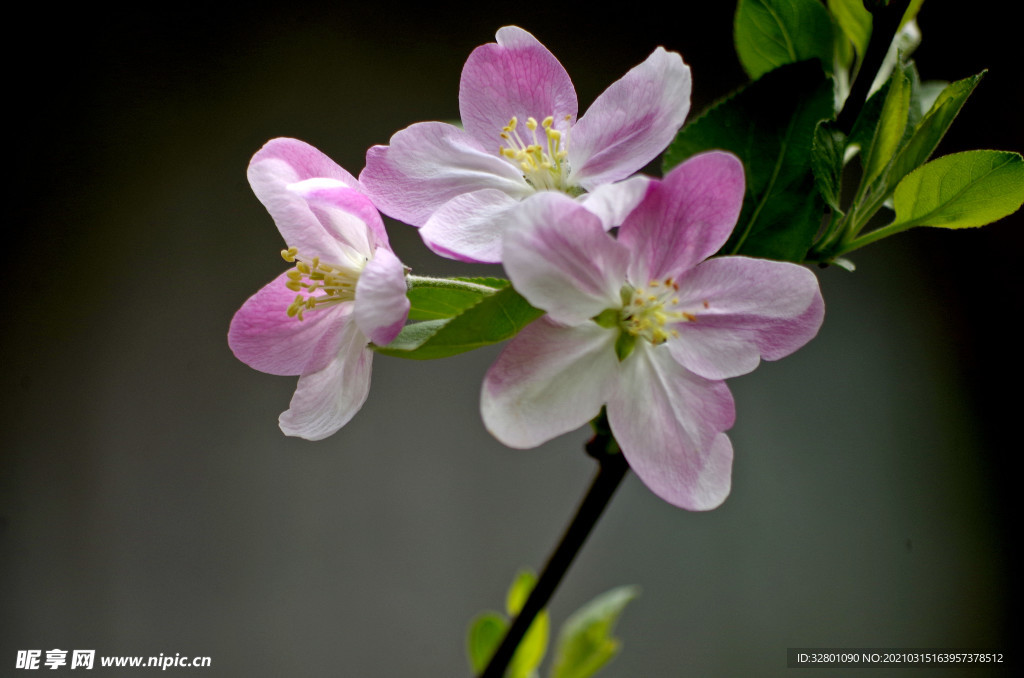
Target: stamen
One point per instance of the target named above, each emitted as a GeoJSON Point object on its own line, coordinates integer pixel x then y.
{"type": "Point", "coordinates": [651, 312]}
{"type": "Point", "coordinates": [319, 283]}
{"type": "Point", "coordinates": [543, 161]}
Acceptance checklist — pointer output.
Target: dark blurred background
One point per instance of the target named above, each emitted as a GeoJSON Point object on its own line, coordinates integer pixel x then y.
{"type": "Point", "coordinates": [149, 503]}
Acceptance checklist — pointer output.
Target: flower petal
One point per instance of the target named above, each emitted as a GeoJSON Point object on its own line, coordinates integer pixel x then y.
{"type": "Point", "coordinates": [744, 309]}
{"type": "Point", "coordinates": [548, 381]}
{"type": "Point", "coordinates": [326, 400]}
{"type": "Point", "coordinates": [275, 172]}
{"type": "Point", "coordinates": [469, 227]}
{"type": "Point", "coordinates": [560, 259]}
{"type": "Point", "coordinates": [519, 77]}
{"type": "Point", "coordinates": [668, 423]}
{"type": "Point", "coordinates": [266, 338]}
{"type": "Point", "coordinates": [631, 122]}
{"type": "Point", "coordinates": [612, 203]}
{"type": "Point", "coordinates": [347, 216]}
{"type": "Point", "coordinates": [428, 164]}
{"type": "Point", "coordinates": [303, 160]}
{"type": "Point", "coordinates": [684, 218]}
{"type": "Point", "coordinates": [382, 304]}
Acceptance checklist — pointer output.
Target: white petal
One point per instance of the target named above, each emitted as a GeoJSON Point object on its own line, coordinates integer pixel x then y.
{"type": "Point", "coordinates": [559, 257]}
{"type": "Point", "coordinates": [668, 423]}
{"type": "Point", "coordinates": [548, 381]}
{"type": "Point", "coordinates": [325, 401]}
{"type": "Point", "coordinates": [382, 304]}
{"type": "Point", "coordinates": [469, 226]}
{"type": "Point", "coordinates": [612, 203]}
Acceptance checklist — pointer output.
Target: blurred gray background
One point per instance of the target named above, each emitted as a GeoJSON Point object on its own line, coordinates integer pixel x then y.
{"type": "Point", "coordinates": [149, 503]}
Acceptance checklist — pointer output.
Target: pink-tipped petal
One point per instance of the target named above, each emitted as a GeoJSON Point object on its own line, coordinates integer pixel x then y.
{"type": "Point", "coordinates": [298, 224]}
{"type": "Point", "coordinates": [744, 309]}
{"type": "Point", "coordinates": [632, 121]}
{"type": "Point", "coordinates": [469, 227]}
{"type": "Point", "coordinates": [548, 381]}
{"type": "Point", "coordinates": [428, 164]}
{"type": "Point", "coordinates": [266, 338]}
{"type": "Point", "coordinates": [382, 304]}
{"type": "Point", "coordinates": [326, 400]}
{"type": "Point", "coordinates": [612, 203]}
{"type": "Point", "coordinates": [517, 76]}
{"type": "Point", "coordinates": [560, 259]}
{"type": "Point", "coordinates": [668, 423]}
{"type": "Point", "coordinates": [305, 161]}
{"type": "Point", "coordinates": [684, 218]}
{"type": "Point", "coordinates": [346, 215]}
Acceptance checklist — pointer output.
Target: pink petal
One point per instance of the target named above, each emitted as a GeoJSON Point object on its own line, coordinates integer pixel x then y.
{"type": "Point", "coordinates": [519, 77]}
{"type": "Point", "coordinates": [744, 309]}
{"type": "Point", "coordinates": [559, 257]}
{"type": "Point", "coordinates": [344, 214]}
{"type": "Point", "coordinates": [304, 161]}
{"type": "Point", "coordinates": [325, 401]}
{"type": "Point", "coordinates": [632, 121]}
{"type": "Point", "coordinates": [684, 218]}
{"type": "Point", "coordinates": [548, 381]}
{"type": "Point", "coordinates": [668, 423]}
{"type": "Point", "coordinates": [469, 226]}
{"type": "Point", "coordinates": [428, 164]}
{"type": "Point", "coordinates": [264, 337]}
{"type": "Point", "coordinates": [299, 225]}
{"type": "Point", "coordinates": [382, 304]}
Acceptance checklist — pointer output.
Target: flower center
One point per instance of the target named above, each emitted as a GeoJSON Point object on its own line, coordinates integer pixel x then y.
{"type": "Point", "coordinates": [544, 161]}
{"type": "Point", "coordinates": [319, 283]}
{"type": "Point", "coordinates": [650, 312]}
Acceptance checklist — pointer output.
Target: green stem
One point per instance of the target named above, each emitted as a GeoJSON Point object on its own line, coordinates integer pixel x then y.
{"type": "Point", "coordinates": [873, 236]}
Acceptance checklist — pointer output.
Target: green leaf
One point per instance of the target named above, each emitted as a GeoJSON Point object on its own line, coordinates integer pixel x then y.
{"type": "Point", "coordinates": [773, 33]}
{"type": "Point", "coordinates": [827, 163]}
{"type": "Point", "coordinates": [438, 298]}
{"type": "Point", "coordinates": [892, 123]}
{"type": "Point", "coordinates": [484, 637]}
{"type": "Point", "coordinates": [770, 125]}
{"type": "Point", "coordinates": [492, 319]}
{"type": "Point", "coordinates": [961, 190]}
{"type": "Point", "coordinates": [585, 643]}
{"type": "Point", "coordinates": [932, 128]}
{"type": "Point", "coordinates": [854, 21]}
{"type": "Point", "coordinates": [531, 649]}
{"type": "Point", "coordinates": [519, 591]}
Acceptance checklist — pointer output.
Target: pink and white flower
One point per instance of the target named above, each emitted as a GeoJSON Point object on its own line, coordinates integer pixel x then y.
{"type": "Point", "coordinates": [520, 138]}
{"type": "Point", "coordinates": [347, 288]}
{"type": "Point", "coordinates": [647, 326]}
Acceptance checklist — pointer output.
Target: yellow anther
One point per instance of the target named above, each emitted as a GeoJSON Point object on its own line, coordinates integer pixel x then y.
{"type": "Point", "coordinates": [542, 161]}
{"type": "Point", "coordinates": [289, 254]}
{"type": "Point", "coordinates": [318, 282]}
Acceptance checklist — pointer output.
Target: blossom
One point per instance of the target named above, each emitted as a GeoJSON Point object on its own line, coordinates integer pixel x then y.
{"type": "Point", "coordinates": [647, 326]}
{"type": "Point", "coordinates": [347, 288]}
{"type": "Point", "coordinates": [520, 138]}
